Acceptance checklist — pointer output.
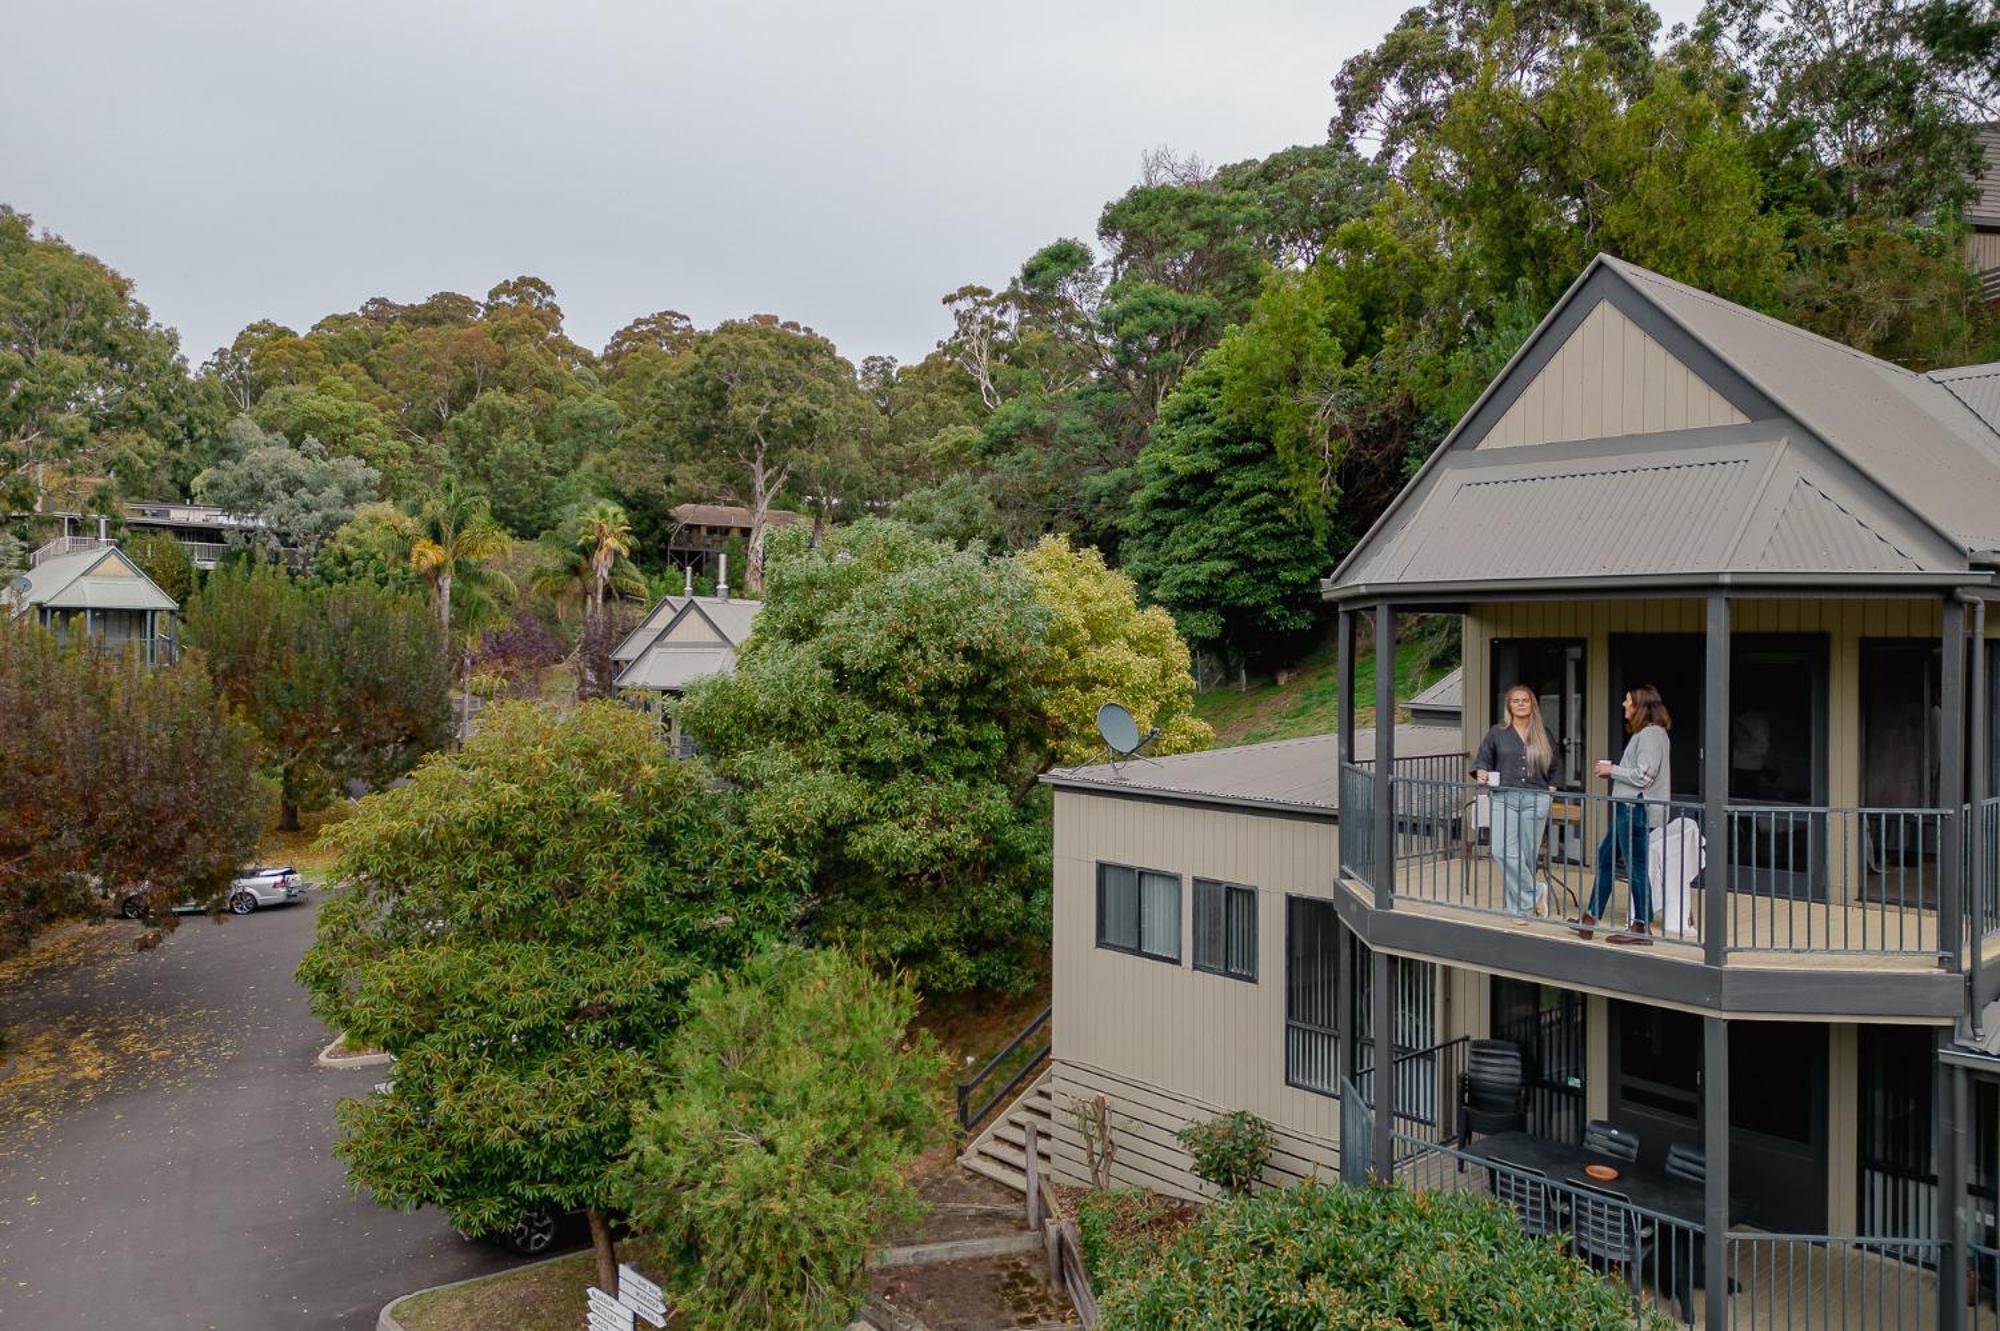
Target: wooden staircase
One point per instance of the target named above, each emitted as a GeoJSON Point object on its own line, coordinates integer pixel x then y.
{"type": "Point", "coordinates": [1000, 1152]}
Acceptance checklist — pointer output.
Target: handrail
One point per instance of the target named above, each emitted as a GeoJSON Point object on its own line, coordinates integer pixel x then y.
{"type": "Point", "coordinates": [970, 1119]}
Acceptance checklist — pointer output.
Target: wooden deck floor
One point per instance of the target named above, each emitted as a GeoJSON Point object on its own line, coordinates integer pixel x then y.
{"type": "Point", "coordinates": [1764, 930]}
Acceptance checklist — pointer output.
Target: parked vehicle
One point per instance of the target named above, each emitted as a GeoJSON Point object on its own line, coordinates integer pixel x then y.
{"type": "Point", "coordinates": [250, 890]}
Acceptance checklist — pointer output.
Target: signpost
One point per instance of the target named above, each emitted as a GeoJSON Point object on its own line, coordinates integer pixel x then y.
{"type": "Point", "coordinates": [638, 1298]}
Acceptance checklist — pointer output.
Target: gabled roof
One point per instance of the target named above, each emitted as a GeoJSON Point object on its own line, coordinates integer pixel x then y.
{"type": "Point", "coordinates": [1844, 466]}
{"type": "Point", "coordinates": [1442, 703]}
{"type": "Point", "coordinates": [661, 664]}
{"type": "Point", "coordinates": [643, 633]}
{"type": "Point", "coordinates": [1299, 776]}
{"type": "Point", "coordinates": [732, 515]}
{"type": "Point", "coordinates": [80, 581]}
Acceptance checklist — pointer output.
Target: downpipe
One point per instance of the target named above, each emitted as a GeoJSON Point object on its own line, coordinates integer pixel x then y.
{"type": "Point", "coordinates": [1976, 794]}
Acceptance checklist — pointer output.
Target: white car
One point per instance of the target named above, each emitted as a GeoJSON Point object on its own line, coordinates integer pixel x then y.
{"type": "Point", "coordinates": [251, 889]}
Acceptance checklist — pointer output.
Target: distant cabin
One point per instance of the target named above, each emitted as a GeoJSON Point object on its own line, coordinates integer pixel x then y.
{"type": "Point", "coordinates": [84, 584]}
{"type": "Point", "coordinates": [702, 531]}
{"type": "Point", "coordinates": [681, 639]}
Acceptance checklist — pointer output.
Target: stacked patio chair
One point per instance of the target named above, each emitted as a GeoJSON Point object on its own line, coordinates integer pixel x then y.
{"type": "Point", "coordinates": [1602, 1137]}
{"type": "Point", "coordinates": [1688, 1163]}
{"type": "Point", "coordinates": [1492, 1092]}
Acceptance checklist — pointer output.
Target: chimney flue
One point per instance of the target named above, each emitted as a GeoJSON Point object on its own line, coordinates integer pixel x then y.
{"type": "Point", "coordinates": [103, 528]}
{"type": "Point", "coordinates": [722, 575]}
{"type": "Point", "coordinates": [687, 586]}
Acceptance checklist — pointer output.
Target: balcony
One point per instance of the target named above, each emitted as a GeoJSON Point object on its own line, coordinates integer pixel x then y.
{"type": "Point", "coordinates": [1808, 888]}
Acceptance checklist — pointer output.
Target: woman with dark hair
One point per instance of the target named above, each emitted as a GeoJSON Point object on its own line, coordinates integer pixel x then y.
{"type": "Point", "coordinates": [1639, 778]}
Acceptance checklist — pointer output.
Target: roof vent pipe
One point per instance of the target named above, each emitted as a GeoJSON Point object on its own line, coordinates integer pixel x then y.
{"type": "Point", "coordinates": [687, 586]}
{"type": "Point", "coordinates": [103, 528]}
{"type": "Point", "coordinates": [722, 576]}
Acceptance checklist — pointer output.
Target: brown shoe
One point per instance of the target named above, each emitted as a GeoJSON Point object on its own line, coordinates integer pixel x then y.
{"type": "Point", "coordinates": [1584, 926]}
{"type": "Point", "coordinates": [1636, 936]}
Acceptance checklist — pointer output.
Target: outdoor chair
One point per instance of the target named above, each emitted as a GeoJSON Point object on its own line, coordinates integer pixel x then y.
{"type": "Point", "coordinates": [1492, 1093]}
{"type": "Point", "coordinates": [1606, 1232]}
{"type": "Point", "coordinates": [1528, 1192]}
{"type": "Point", "coordinates": [1601, 1137]}
{"type": "Point", "coordinates": [1688, 1163]}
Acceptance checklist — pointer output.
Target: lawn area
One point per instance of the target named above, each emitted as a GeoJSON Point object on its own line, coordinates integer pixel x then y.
{"type": "Point", "coordinates": [547, 1296]}
{"type": "Point", "coordinates": [301, 849]}
{"type": "Point", "coordinates": [1306, 704]}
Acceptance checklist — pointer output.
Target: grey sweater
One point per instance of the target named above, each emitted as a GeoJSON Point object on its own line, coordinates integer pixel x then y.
{"type": "Point", "coordinates": [1643, 772]}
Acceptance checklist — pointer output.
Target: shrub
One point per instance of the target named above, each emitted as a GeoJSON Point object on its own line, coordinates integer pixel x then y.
{"type": "Point", "coordinates": [773, 1157]}
{"type": "Point", "coordinates": [1229, 1151]}
{"type": "Point", "coordinates": [1124, 1228]}
{"type": "Point", "coordinates": [1327, 1258]}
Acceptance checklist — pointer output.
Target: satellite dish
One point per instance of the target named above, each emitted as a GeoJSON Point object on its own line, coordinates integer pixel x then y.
{"type": "Point", "coordinates": [1118, 730]}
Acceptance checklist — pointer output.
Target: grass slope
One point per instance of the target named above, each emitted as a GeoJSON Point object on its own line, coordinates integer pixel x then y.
{"type": "Point", "coordinates": [1308, 703]}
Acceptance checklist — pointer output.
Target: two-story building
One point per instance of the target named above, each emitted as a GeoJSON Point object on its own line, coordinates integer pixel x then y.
{"type": "Point", "coordinates": [1796, 544]}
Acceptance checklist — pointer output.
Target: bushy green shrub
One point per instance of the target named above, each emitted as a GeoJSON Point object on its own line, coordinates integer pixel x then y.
{"type": "Point", "coordinates": [1228, 1151]}
{"type": "Point", "coordinates": [1327, 1258]}
{"type": "Point", "coordinates": [1123, 1229]}
{"type": "Point", "coordinates": [773, 1157]}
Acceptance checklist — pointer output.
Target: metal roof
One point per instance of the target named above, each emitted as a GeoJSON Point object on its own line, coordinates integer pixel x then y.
{"type": "Point", "coordinates": [673, 666]}
{"type": "Point", "coordinates": [1287, 775]}
{"type": "Point", "coordinates": [1442, 703]}
{"type": "Point", "coordinates": [647, 629]}
{"type": "Point", "coordinates": [1905, 431]}
{"type": "Point", "coordinates": [65, 583]}
{"type": "Point", "coordinates": [1977, 386]}
{"type": "Point", "coordinates": [1638, 508]}
{"type": "Point", "coordinates": [731, 515]}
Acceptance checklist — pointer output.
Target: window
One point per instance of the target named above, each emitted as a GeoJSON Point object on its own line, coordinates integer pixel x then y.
{"type": "Point", "coordinates": [1225, 929]}
{"type": "Point", "coordinates": [1312, 996]}
{"type": "Point", "coordinates": [1139, 910]}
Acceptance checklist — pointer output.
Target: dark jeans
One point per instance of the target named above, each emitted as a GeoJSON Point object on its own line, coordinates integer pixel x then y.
{"type": "Point", "coordinates": [1626, 840]}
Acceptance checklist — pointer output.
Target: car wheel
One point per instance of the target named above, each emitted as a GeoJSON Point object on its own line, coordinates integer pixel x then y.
{"type": "Point", "coordinates": [133, 908]}
{"type": "Point", "coordinates": [242, 903]}
{"type": "Point", "coordinates": [532, 1235]}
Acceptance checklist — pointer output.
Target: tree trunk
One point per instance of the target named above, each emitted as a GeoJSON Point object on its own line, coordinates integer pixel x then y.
{"type": "Point", "coordinates": [288, 816]}
{"type": "Point", "coordinates": [607, 1253]}
{"type": "Point", "coordinates": [444, 608]}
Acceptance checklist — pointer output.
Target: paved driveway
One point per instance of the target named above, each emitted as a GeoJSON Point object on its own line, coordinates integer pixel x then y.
{"type": "Point", "coordinates": [166, 1144]}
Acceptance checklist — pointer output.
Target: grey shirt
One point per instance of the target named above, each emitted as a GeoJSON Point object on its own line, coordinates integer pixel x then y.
{"type": "Point", "coordinates": [1505, 752]}
{"type": "Point", "coordinates": [1643, 772]}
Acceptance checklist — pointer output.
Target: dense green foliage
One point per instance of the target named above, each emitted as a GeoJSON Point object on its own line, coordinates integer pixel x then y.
{"type": "Point", "coordinates": [771, 1160]}
{"type": "Point", "coordinates": [119, 778]}
{"type": "Point", "coordinates": [301, 495]}
{"type": "Point", "coordinates": [885, 723]}
{"type": "Point", "coordinates": [342, 683]}
{"type": "Point", "coordinates": [1229, 1151]}
{"type": "Point", "coordinates": [1322, 1257]}
{"type": "Point", "coordinates": [519, 925]}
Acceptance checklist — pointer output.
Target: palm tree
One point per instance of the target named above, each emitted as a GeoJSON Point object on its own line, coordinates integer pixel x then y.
{"type": "Point", "coordinates": [455, 535]}
{"type": "Point", "coordinates": [597, 562]}
{"type": "Point", "coordinates": [605, 535]}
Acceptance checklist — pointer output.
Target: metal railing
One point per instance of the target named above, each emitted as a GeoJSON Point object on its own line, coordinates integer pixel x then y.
{"type": "Point", "coordinates": [1657, 1257]}
{"type": "Point", "coordinates": [1426, 1083]}
{"type": "Point", "coordinates": [1357, 823]}
{"type": "Point", "coordinates": [1802, 878]}
{"type": "Point", "coordinates": [971, 1115]}
{"type": "Point", "coordinates": [1810, 1281]}
{"type": "Point", "coordinates": [67, 545]}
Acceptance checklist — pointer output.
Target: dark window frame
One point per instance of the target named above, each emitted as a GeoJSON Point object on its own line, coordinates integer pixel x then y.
{"type": "Point", "coordinates": [1321, 1042]}
{"type": "Point", "coordinates": [1220, 966]}
{"type": "Point", "coordinates": [1138, 888]}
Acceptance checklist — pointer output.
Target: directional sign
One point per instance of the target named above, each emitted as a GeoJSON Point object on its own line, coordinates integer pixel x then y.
{"type": "Point", "coordinates": [642, 1296]}
{"type": "Point", "coordinates": [606, 1313]}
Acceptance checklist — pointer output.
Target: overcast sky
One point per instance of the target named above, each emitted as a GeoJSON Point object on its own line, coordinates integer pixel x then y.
{"type": "Point", "coordinates": [842, 165]}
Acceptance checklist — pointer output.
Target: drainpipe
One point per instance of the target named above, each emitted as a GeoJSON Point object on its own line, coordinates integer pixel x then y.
{"type": "Point", "coordinates": [1975, 797]}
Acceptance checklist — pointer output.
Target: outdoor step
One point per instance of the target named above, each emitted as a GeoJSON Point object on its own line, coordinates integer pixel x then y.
{"type": "Point", "coordinates": [999, 1173]}
{"type": "Point", "coordinates": [1017, 1139]}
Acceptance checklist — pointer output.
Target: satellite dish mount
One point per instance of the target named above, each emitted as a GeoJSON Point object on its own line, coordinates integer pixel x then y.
{"type": "Point", "coordinates": [1120, 733]}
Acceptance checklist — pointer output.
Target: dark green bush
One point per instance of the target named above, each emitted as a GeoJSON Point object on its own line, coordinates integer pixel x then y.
{"type": "Point", "coordinates": [1228, 1151]}
{"type": "Point", "coordinates": [1326, 1258]}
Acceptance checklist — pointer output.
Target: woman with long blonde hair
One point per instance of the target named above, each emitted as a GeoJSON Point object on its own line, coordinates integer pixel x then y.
{"type": "Point", "coordinates": [1517, 762]}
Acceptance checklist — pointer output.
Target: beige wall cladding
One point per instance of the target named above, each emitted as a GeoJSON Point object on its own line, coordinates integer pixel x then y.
{"type": "Point", "coordinates": [1845, 623]}
{"type": "Point", "coordinates": [1609, 378]}
{"type": "Point", "coordinates": [1982, 250]}
{"type": "Point", "coordinates": [1208, 1039]}
{"type": "Point", "coordinates": [691, 628]}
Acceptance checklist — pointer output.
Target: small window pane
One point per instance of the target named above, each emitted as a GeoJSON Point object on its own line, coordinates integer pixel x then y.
{"type": "Point", "coordinates": [1117, 906]}
{"type": "Point", "coordinates": [1208, 925]}
{"type": "Point", "coordinates": [1160, 915]}
{"type": "Point", "coordinates": [1240, 932]}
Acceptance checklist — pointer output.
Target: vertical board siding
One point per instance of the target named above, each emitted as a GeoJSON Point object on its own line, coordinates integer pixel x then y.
{"type": "Point", "coordinates": [1609, 378]}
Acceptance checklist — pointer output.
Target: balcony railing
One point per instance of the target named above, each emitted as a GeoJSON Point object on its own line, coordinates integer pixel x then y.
{"type": "Point", "coordinates": [1801, 879]}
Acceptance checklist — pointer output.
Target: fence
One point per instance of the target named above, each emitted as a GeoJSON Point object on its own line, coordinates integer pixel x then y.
{"type": "Point", "coordinates": [1021, 1059]}
{"type": "Point", "coordinates": [1812, 1281]}
{"type": "Point", "coordinates": [1819, 879]}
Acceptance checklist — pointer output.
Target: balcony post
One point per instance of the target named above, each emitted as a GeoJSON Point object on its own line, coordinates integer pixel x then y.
{"type": "Point", "coordinates": [1385, 1058]}
{"type": "Point", "coordinates": [1715, 1149]}
{"type": "Point", "coordinates": [1344, 641]}
{"type": "Point", "coordinates": [1385, 761]}
{"type": "Point", "coordinates": [1715, 786]}
{"type": "Point", "coordinates": [1951, 789]}
{"type": "Point", "coordinates": [1976, 873]}
{"type": "Point", "coordinates": [1949, 1135]}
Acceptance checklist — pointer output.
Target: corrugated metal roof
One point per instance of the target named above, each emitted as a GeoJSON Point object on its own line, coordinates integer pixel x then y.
{"type": "Point", "coordinates": [674, 666]}
{"type": "Point", "coordinates": [1441, 703]}
{"type": "Point", "coordinates": [731, 515]}
{"type": "Point", "coordinates": [1977, 386]}
{"type": "Point", "coordinates": [1287, 773]}
{"type": "Point", "coordinates": [64, 583]}
{"type": "Point", "coordinates": [735, 617]}
{"type": "Point", "coordinates": [647, 629]}
{"type": "Point", "coordinates": [1903, 430]}
{"type": "Point", "coordinates": [1814, 532]}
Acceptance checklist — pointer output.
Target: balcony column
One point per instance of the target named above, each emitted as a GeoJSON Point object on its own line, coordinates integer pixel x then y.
{"type": "Point", "coordinates": [1715, 789]}
{"type": "Point", "coordinates": [1975, 875]}
{"type": "Point", "coordinates": [1715, 1150]}
{"type": "Point", "coordinates": [1385, 1056]}
{"type": "Point", "coordinates": [1385, 760]}
{"type": "Point", "coordinates": [1951, 788]}
{"type": "Point", "coordinates": [1951, 1100]}
{"type": "Point", "coordinates": [1344, 644]}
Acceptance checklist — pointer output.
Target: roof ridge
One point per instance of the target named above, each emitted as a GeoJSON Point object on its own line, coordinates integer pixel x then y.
{"type": "Point", "coordinates": [1720, 302]}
